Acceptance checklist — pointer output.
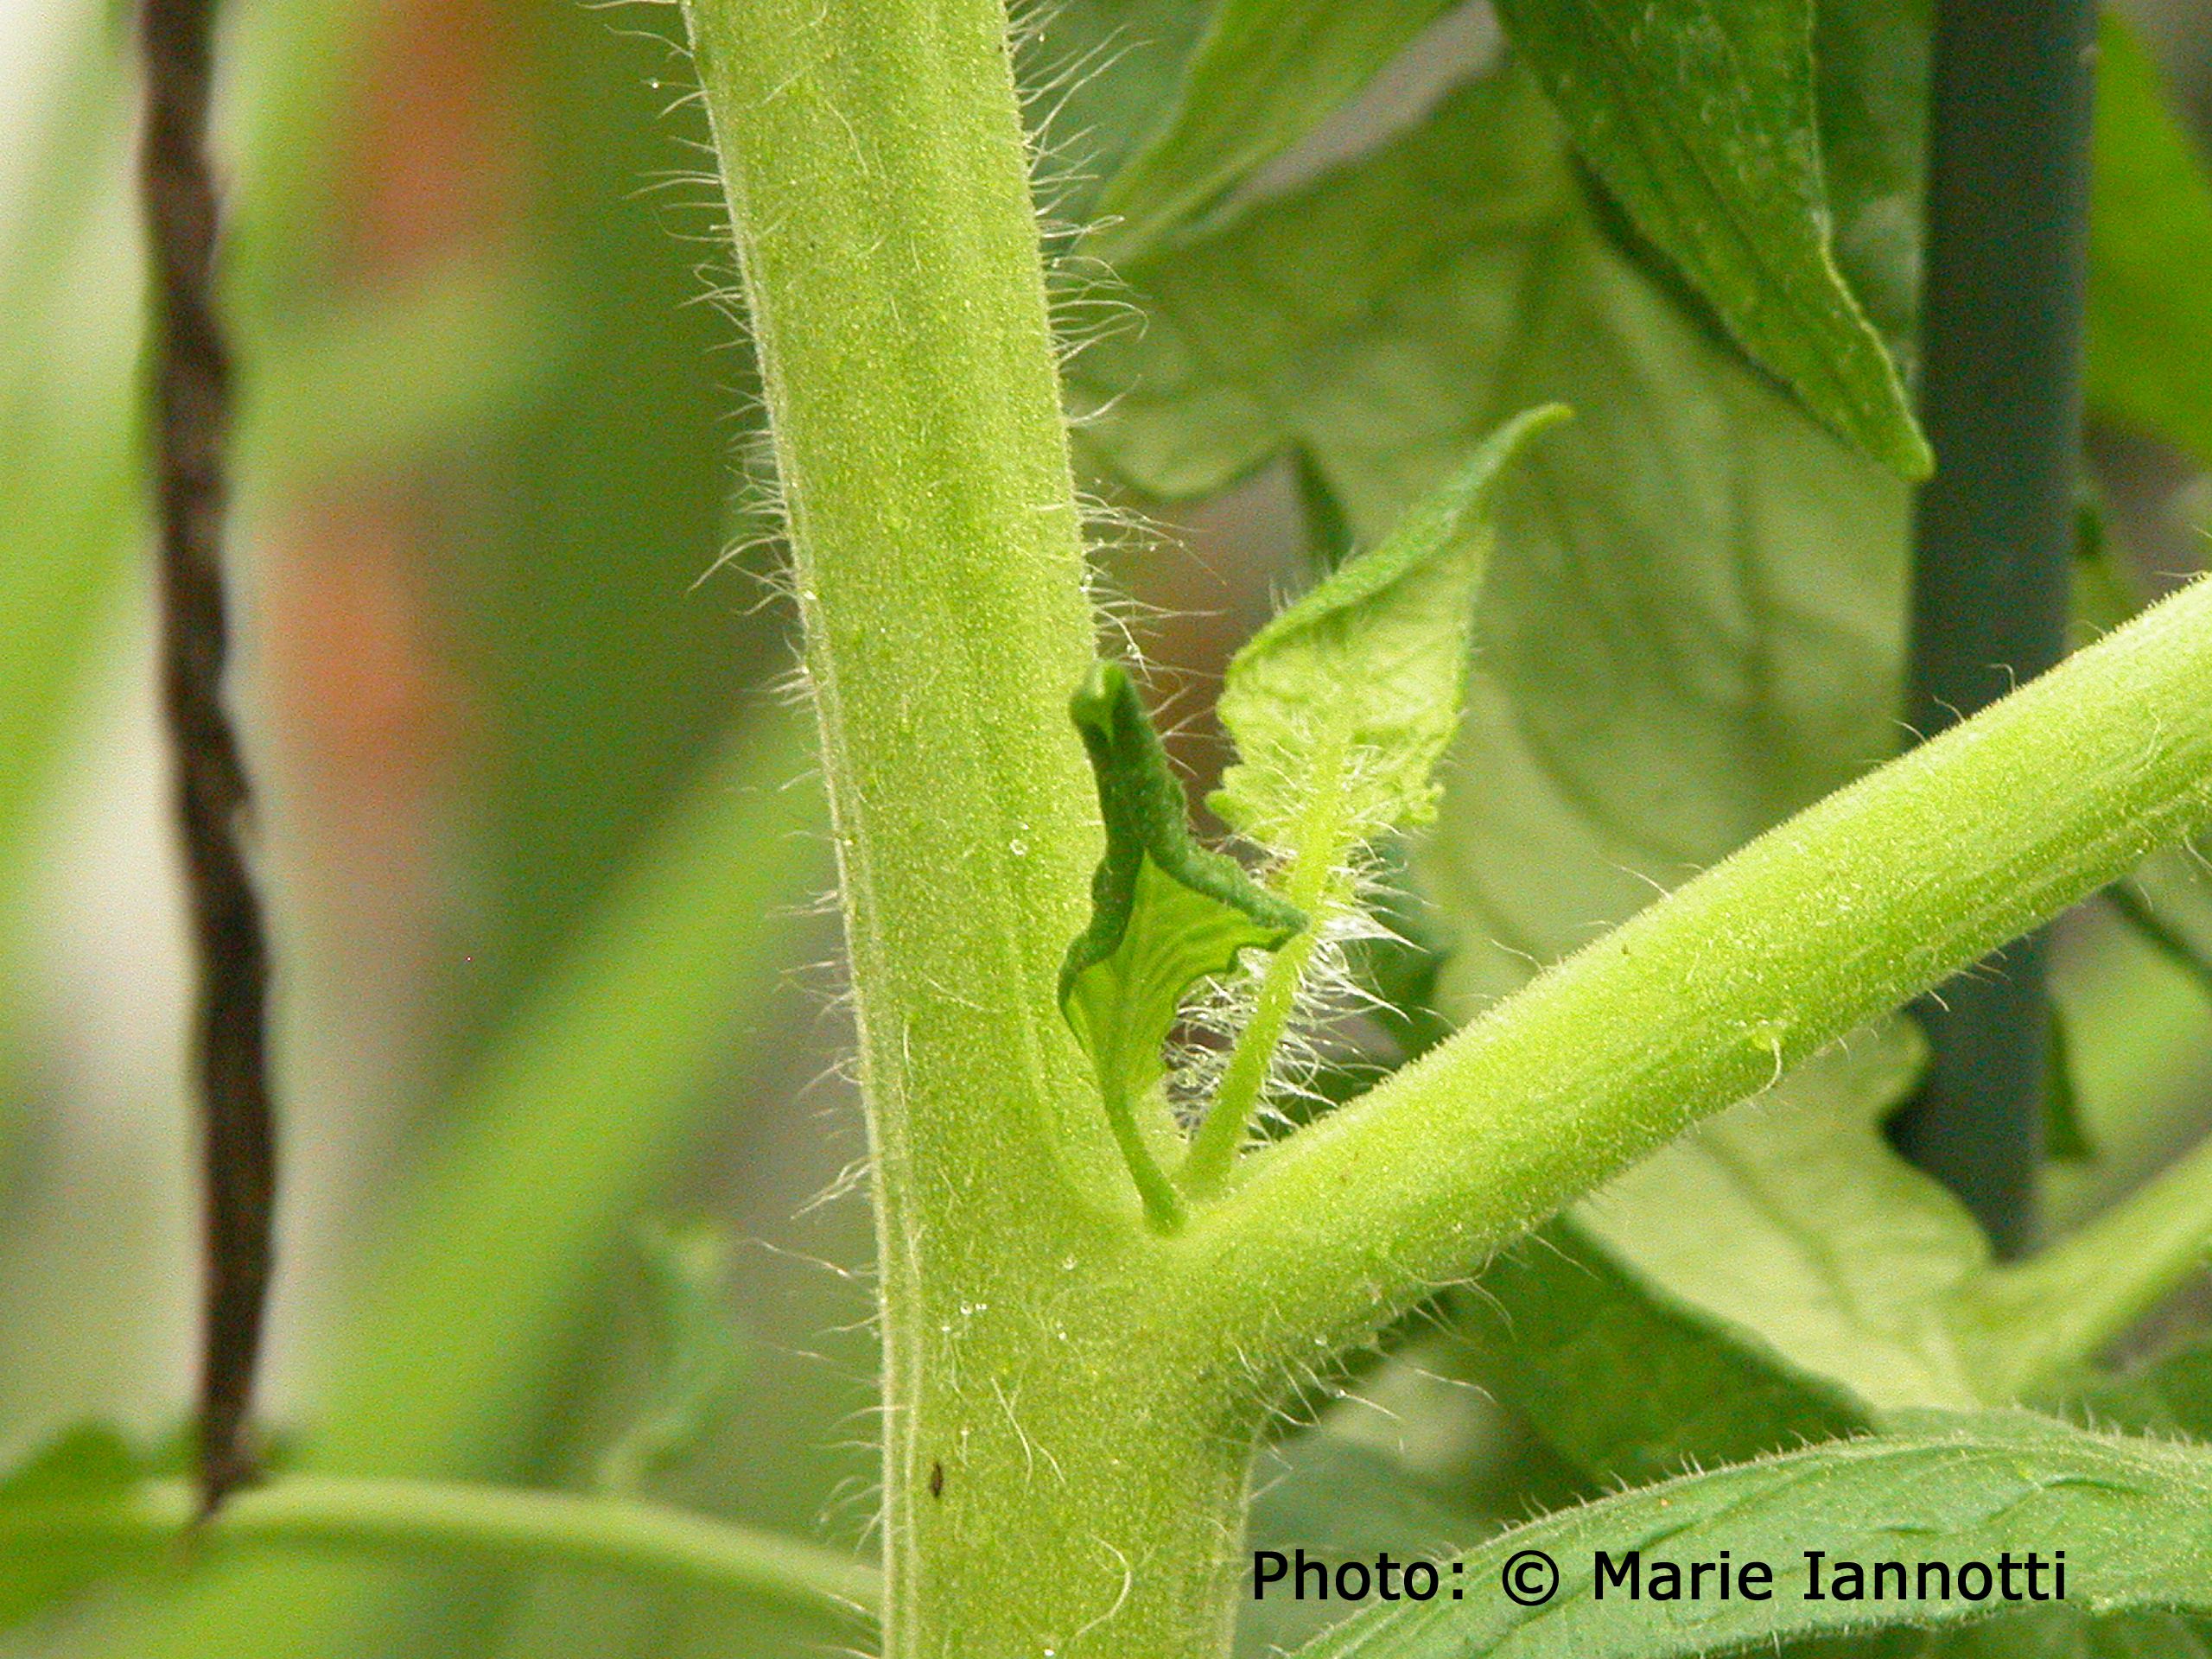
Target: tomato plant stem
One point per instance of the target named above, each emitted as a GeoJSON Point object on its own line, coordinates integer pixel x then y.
{"type": "Point", "coordinates": [1050, 1483]}
{"type": "Point", "coordinates": [2007, 237]}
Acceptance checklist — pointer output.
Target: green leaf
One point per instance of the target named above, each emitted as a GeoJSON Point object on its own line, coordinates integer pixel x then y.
{"type": "Point", "coordinates": [1690, 628]}
{"type": "Point", "coordinates": [84, 1470]}
{"type": "Point", "coordinates": [1700, 117]}
{"type": "Point", "coordinates": [1810, 1231]}
{"type": "Point", "coordinates": [1340, 709]}
{"type": "Point", "coordinates": [2150, 294]}
{"type": "Point", "coordinates": [1692, 622]}
{"type": "Point", "coordinates": [1353, 695]}
{"type": "Point", "coordinates": [2150, 311]}
{"type": "Point", "coordinates": [2129, 1514]}
{"type": "Point", "coordinates": [702, 1357]}
{"type": "Point", "coordinates": [1629, 1381]}
{"type": "Point", "coordinates": [1266, 73]}
{"type": "Point", "coordinates": [1165, 914]}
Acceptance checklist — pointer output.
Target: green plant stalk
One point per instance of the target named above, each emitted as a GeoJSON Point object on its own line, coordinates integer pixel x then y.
{"type": "Point", "coordinates": [1049, 1483]}
{"type": "Point", "coordinates": [321, 1514]}
{"type": "Point", "coordinates": [2001, 322]}
{"type": "Point", "coordinates": [1710, 994]}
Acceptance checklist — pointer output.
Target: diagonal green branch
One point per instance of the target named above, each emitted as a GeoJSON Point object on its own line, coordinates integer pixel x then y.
{"type": "Point", "coordinates": [1832, 919]}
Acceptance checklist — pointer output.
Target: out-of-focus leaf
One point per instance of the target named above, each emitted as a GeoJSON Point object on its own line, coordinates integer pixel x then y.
{"type": "Point", "coordinates": [1403, 965]}
{"type": "Point", "coordinates": [70, 291]}
{"type": "Point", "coordinates": [1266, 73]}
{"type": "Point", "coordinates": [1810, 1231]}
{"type": "Point", "coordinates": [1871, 78]}
{"type": "Point", "coordinates": [561, 1133]}
{"type": "Point", "coordinates": [1955, 1488]}
{"type": "Point", "coordinates": [2065, 1633]}
{"type": "Point", "coordinates": [1352, 695]}
{"type": "Point", "coordinates": [1100, 77]}
{"type": "Point", "coordinates": [1700, 120]}
{"type": "Point", "coordinates": [2104, 593]}
{"type": "Point", "coordinates": [2138, 902]}
{"type": "Point", "coordinates": [628, 892]}
{"type": "Point", "coordinates": [2151, 228]}
{"type": "Point", "coordinates": [1628, 1380]}
{"type": "Point", "coordinates": [398, 376]}
{"type": "Point", "coordinates": [87, 1468]}
{"type": "Point", "coordinates": [2149, 313]}
{"type": "Point", "coordinates": [702, 1363]}
{"type": "Point", "coordinates": [599, 668]}
{"type": "Point", "coordinates": [2023, 1323]}
{"type": "Point", "coordinates": [1341, 1499]}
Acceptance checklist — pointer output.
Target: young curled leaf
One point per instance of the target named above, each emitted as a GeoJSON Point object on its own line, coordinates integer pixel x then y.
{"type": "Point", "coordinates": [1352, 695]}
{"type": "Point", "coordinates": [1341, 707]}
{"type": "Point", "coordinates": [1165, 914]}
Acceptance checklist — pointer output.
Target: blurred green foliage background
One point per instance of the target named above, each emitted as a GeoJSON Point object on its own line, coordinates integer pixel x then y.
{"type": "Point", "coordinates": [539, 827]}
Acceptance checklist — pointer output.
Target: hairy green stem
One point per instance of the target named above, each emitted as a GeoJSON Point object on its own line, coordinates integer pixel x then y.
{"type": "Point", "coordinates": [1047, 1484]}
{"type": "Point", "coordinates": [2008, 225]}
{"type": "Point", "coordinates": [426, 1518]}
{"type": "Point", "coordinates": [1707, 997]}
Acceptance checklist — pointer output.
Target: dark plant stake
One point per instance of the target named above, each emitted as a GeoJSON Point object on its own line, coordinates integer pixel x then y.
{"type": "Point", "coordinates": [2008, 214]}
{"type": "Point", "coordinates": [191, 409]}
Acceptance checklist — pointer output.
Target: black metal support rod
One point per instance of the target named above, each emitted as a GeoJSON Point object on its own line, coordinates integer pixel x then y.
{"type": "Point", "coordinates": [2007, 223]}
{"type": "Point", "coordinates": [191, 377]}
